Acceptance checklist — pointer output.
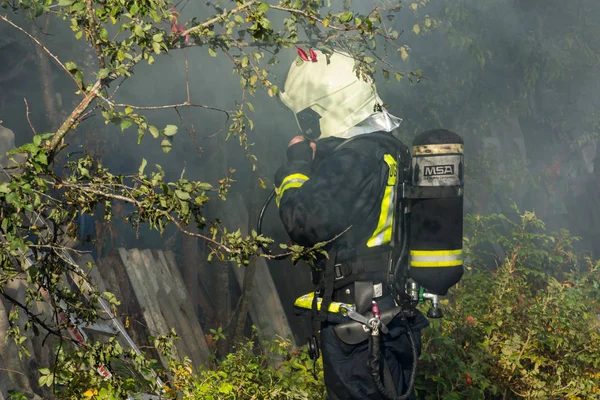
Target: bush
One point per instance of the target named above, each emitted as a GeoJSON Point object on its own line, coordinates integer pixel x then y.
{"type": "Point", "coordinates": [244, 374]}
{"type": "Point", "coordinates": [529, 328]}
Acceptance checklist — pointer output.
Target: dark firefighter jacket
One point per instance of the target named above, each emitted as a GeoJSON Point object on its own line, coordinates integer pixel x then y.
{"type": "Point", "coordinates": [352, 186]}
{"type": "Point", "coordinates": [350, 189]}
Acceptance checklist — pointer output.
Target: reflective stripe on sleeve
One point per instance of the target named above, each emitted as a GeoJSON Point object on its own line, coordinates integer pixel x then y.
{"type": "Point", "coordinates": [383, 232]}
{"type": "Point", "coordinates": [436, 258]}
{"type": "Point", "coordinates": [289, 182]}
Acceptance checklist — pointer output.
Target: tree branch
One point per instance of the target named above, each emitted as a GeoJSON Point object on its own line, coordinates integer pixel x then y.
{"type": "Point", "coordinates": [31, 315]}
{"type": "Point", "coordinates": [224, 14]}
{"type": "Point", "coordinates": [167, 106]}
{"type": "Point", "coordinates": [72, 119]}
{"type": "Point", "coordinates": [27, 115]}
{"type": "Point", "coordinates": [313, 18]}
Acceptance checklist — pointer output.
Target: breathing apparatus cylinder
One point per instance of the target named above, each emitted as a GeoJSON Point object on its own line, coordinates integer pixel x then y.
{"type": "Point", "coordinates": [436, 217]}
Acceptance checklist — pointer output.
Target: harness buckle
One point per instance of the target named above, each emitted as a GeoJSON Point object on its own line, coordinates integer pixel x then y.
{"type": "Point", "coordinates": [337, 270]}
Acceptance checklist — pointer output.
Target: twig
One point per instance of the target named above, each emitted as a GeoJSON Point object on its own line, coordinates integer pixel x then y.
{"type": "Point", "coordinates": [218, 17]}
{"type": "Point", "coordinates": [520, 354]}
{"type": "Point", "coordinates": [187, 81]}
{"type": "Point", "coordinates": [31, 315]}
{"type": "Point", "coordinates": [27, 114]}
{"type": "Point", "coordinates": [313, 18]}
{"type": "Point", "coordinates": [164, 213]}
{"type": "Point", "coordinates": [192, 132]}
{"type": "Point", "coordinates": [167, 106]}
{"type": "Point", "coordinates": [60, 344]}
{"type": "Point", "coordinates": [12, 370]}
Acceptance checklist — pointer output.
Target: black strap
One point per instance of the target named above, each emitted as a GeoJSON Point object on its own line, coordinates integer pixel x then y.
{"type": "Point", "coordinates": [372, 267]}
{"type": "Point", "coordinates": [363, 296]}
{"type": "Point", "coordinates": [328, 278]}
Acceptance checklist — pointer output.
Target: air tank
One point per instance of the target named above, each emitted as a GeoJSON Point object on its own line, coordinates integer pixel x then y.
{"type": "Point", "coordinates": [436, 216]}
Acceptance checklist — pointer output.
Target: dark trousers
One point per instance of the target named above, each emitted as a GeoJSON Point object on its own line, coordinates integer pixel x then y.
{"type": "Point", "coordinates": [347, 374]}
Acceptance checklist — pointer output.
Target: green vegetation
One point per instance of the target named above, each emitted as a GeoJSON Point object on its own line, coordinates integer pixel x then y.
{"type": "Point", "coordinates": [527, 328]}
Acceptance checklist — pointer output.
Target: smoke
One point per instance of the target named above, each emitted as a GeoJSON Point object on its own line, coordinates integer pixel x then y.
{"type": "Point", "coordinates": [518, 80]}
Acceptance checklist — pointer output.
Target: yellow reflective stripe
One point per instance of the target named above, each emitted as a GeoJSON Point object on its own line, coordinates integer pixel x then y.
{"type": "Point", "coordinates": [435, 258]}
{"type": "Point", "coordinates": [306, 301]}
{"type": "Point", "coordinates": [383, 232]}
{"type": "Point", "coordinates": [392, 173]}
{"type": "Point", "coordinates": [289, 182]}
{"type": "Point", "coordinates": [435, 263]}
{"type": "Point", "coordinates": [294, 176]}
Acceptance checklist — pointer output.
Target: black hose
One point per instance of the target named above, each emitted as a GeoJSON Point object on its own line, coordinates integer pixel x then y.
{"type": "Point", "coordinates": [375, 362]}
{"type": "Point", "coordinates": [259, 228]}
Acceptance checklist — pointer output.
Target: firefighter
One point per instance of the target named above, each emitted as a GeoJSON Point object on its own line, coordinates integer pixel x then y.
{"type": "Point", "coordinates": [339, 183]}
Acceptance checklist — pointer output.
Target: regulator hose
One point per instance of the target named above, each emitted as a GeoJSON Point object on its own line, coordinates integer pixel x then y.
{"type": "Point", "coordinates": [259, 228]}
{"type": "Point", "coordinates": [375, 363]}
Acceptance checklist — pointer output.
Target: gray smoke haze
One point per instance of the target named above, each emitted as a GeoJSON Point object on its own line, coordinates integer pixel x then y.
{"type": "Point", "coordinates": [541, 149]}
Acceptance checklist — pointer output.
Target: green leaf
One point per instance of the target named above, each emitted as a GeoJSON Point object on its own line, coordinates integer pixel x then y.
{"type": "Point", "coordinates": [170, 130]}
{"type": "Point", "coordinates": [138, 30]}
{"type": "Point", "coordinates": [212, 52]}
{"type": "Point", "coordinates": [273, 90]}
{"type": "Point", "coordinates": [71, 66]}
{"type": "Point", "coordinates": [154, 131]}
{"type": "Point", "coordinates": [103, 34]}
{"type": "Point", "coordinates": [143, 166]}
{"type": "Point", "coordinates": [103, 73]}
{"type": "Point", "coordinates": [125, 123]}
{"type": "Point", "coordinates": [166, 145]}
{"type": "Point", "coordinates": [37, 140]}
{"type": "Point", "coordinates": [346, 17]}
{"type": "Point", "coordinates": [263, 7]}
{"type": "Point", "coordinates": [4, 187]}
{"type": "Point", "coordinates": [41, 158]}
{"type": "Point", "coordinates": [182, 195]}
{"type": "Point", "coordinates": [65, 3]}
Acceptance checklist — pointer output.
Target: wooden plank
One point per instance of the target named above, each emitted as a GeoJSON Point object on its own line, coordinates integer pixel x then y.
{"type": "Point", "coordinates": [137, 272]}
{"type": "Point", "coordinates": [172, 317]}
{"type": "Point", "coordinates": [265, 307]}
{"type": "Point", "coordinates": [114, 274]}
{"type": "Point", "coordinates": [172, 276]}
{"type": "Point", "coordinates": [195, 335]}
